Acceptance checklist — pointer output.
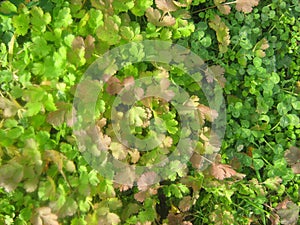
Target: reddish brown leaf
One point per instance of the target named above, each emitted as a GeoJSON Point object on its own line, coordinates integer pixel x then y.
{"type": "Point", "coordinates": [154, 16]}
{"type": "Point", "coordinates": [288, 212]}
{"type": "Point", "coordinates": [185, 204]}
{"type": "Point", "coordinates": [196, 160]}
{"type": "Point", "coordinates": [146, 180]}
{"type": "Point", "coordinates": [89, 43]}
{"type": "Point", "coordinates": [61, 115]}
{"type": "Point", "coordinates": [224, 9]}
{"type": "Point", "coordinates": [222, 171]}
{"type": "Point", "coordinates": [292, 157]}
{"type": "Point", "coordinates": [274, 218]}
{"type": "Point", "coordinates": [246, 5]}
{"type": "Point", "coordinates": [140, 196]}
{"type": "Point", "coordinates": [78, 43]}
{"type": "Point", "coordinates": [114, 86]}
{"type": "Point", "coordinates": [166, 5]}
{"type": "Point", "coordinates": [207, 113]}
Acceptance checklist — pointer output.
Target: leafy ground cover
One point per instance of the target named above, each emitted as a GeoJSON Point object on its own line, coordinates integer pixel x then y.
{"type": "Point", "coordinates": [251, 47]}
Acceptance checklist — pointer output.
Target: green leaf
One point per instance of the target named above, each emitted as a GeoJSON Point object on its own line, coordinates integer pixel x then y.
{"type": "Point", "coordinates": [21, 23]}
{"type": "Point", "coordinates": [140, 7]}
{"type": "Point", "coordinates": [136, 115]}
{"type": "Point", "coordinates": [258, 164]}
{"type": "Point", "coordinates": [7, 7]}
{"type": "Point", "coordinates": [296, 105]}
{"type": "Point", "coordinates": [33, 108]}
{"type": "Point", "coordinates": [39, 19]}
{"type": "Point", "coordinates": [63, 18]}
{"type": "Point", "coordinates": [39, 47]}
{"type": "Point", "coordinates": [109, 32]}
{"type": "Point", "coordinates": [78, 221]}
{"type": "Point", "coordinates": [289, 120]}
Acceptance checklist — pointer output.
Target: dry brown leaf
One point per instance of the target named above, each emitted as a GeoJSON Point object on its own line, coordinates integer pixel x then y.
{"type": "Point", "coordinates": [114, 86]}
{"type": "Point", "coordinates": [224, 9]}
{"type": "Point", "coordinates": [274, 218]}
{"type": "Point", "coordinates": [292, 157]}
{"type": "Point", "coordinates": [207, 113]}
{"type": "Point", "coordinates": [288, 212]}
{"type": "Point", "coordinates": [166, 5]}
{"type": "Point", "coordinates": [140, 196]}
{"type": "Point", "coordinates": [222, 171]}
{"type": "Point", "coordinates": [89, 43]}
{"type": "Point", "coordinates": [44, 216]}
{"type": "Point", "coordinates": [154, 16]}
{"type": "Point", "coordinates": [146, 180]}
{"type": "Point", "coordinates": [246, 5]}
{"type": "Point", "coordinates": [167, 21]}
{"type": "Point", "coordinates": [196, 160]}
{"type": "Point", "coordinates": [185, 204]}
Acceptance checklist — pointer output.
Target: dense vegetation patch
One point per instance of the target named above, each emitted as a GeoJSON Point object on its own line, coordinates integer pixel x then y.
{"type": "Point", "coordinates": [251, 53]}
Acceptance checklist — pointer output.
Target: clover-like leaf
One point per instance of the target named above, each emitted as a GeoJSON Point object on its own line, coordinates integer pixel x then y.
{"type": "Point", "coordinates": [246, 5]}
{"type": "Point", "coordinates": [222, 32]}
{"type": "Point", "coordinates": [44, 216]}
